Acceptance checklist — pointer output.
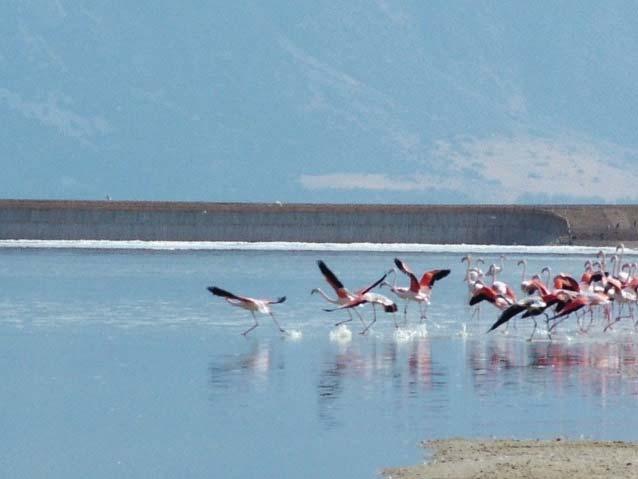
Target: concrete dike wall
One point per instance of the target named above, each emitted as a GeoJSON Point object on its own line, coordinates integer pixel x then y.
{"type": "Point", "coordinates": [176, 221]}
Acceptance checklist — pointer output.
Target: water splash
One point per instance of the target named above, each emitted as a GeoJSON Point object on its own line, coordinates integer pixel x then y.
{"type": "Point", "coordinates": [464, 332]}
{"type": "Point", "coordinates": [402, 335]}
{"type": "Point", "coordinates": [341, 334]}
{"type": "Point", "coordinates": [294, 335]}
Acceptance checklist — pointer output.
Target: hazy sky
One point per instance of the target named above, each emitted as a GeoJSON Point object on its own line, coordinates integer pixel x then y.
{"type": "Point", "coordinates": [358, 101]}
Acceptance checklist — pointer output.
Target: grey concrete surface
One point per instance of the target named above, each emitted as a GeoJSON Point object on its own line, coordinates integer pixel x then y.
{"type": "Point", "coordinates": [454, 224]}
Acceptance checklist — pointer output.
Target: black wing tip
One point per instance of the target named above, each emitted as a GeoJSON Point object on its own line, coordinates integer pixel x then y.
{"type": "Point", "coordinates": [281, 300]}
{"type": "Point", "coordinates": [329, 275]}
{"type": "Point", "coordinates": [496, 325]}
{"type": "Point", "coordinates": [443, 273]}
{"type": "Point", "coordinates": [324, 268]}
{"type": "Point", "coordinates": [220, 292]}
{"type": "Point", "coordinates": [391, 308]}
{"type": "Point", "coordinates": [399, 263]}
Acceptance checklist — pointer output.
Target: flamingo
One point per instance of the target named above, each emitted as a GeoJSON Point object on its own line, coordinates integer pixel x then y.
{"type": "Point", "coordinates": [365, 296]}
{"type": "Point", "coordinates": [491, 295]}
{"type": "Point", "coordinates": [533, 306]}
{"type": "Point", "coordinates": [619, 293]}
{"type": "Point", "coordinates": [468, 259]}
{"type": "Point", "coordinates": [590, 275]}
{"type": "Point", "coordinates": [532, 285]}
{"type": "Point", "coordinates": [474, 279]}
{"type": "Point", "coordinates": [343, 295]}
{"type": "Point", "coordinates": [418, 291]}
{"type": "Point", "coordinates": [570, 307]}
{"type": "Point", "coordinates": [495, 269]}
{"type": "Point", "coordinates": [407, 294]}
{"type": "Point", "coordinates": [524, 282]}
{"type": "Point", "coordinates": [621, 274]}
{"type": "Point", "coordinates": [535, 285]}
{"type": "Point", "coordinates": [565, 281]}
{"type": "Point", "coordinates": [430, 277]}
{"type": "Point", "coordinates": [603, 264]}
{"type": "Point", "coordinates": [577, 301]}
{"type": "Point", "coordinates": [251, 304]}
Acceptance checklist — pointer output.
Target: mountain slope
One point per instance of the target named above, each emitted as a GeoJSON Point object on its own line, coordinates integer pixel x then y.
{"type": "Point", "coordinates": [367, 102]}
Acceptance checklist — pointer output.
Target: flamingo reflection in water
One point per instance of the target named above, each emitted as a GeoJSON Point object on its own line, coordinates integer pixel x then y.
{"type": "Point", "coordinates": [599, 367]}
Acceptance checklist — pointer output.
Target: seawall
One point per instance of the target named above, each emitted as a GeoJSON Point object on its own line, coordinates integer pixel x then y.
{"type": "Point", "coordinates": [338, 223]}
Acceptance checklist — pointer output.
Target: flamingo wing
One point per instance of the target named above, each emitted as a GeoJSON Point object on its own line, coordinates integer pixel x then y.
{"type": "Point", "coordinates": [226, 294]}
{"type": "Point", "coordinates": [614, 283]}
{"type": "Point", "coordinates": [508, 314]}
{"type": "Point", "coordinates": [483, 294]}
{"type": "Point", "coordinates": [563, 281]}
{"type": "Point", "coordinates": [351, 304]}
{"type": "Point", "coordinates": [589, 277]}
{"type": "Point", "coordinates": [570, 307]}
{"type": "Point", "coordinates": [414, 282]}
{"type": "Point", "coordinates": [277, 301]}
{"type": "Point", "coordinates": [373, 285]}
{"type": "Point", "coordinates": [331, 278]}
{"type": "Point", "coordinates": [430, 277]}
{"type": "Point", "coordinates": [535, 285]}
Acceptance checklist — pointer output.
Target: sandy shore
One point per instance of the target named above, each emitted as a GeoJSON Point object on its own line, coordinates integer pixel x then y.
{"type": "Point", "coordinates": [529, 459]}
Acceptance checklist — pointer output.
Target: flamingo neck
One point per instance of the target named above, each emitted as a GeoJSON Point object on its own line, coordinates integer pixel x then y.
{"type": "Point", "coordinates": [326, 297]}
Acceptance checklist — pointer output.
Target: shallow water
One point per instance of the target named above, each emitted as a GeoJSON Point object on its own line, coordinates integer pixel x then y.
{"type": "Point", "coordinates": [119, 363]}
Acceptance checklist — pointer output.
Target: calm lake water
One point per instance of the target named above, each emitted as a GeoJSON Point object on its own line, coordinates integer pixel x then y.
{"type": "Point", "coordinates": [121, 364]}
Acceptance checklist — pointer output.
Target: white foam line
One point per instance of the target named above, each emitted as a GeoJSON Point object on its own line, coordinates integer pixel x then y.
{"type": "Point", "coordinates": [298, 246]}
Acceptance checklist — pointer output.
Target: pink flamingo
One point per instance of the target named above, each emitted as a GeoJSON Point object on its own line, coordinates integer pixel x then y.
{"type": "Point", "coordinates": [343, 295]}
{"type": "Point", "coordinates": [409, 293]}
{"type": "Point", "coordinates": [365, 296]}
{"type": "Point", "coordinates": [251, 304]}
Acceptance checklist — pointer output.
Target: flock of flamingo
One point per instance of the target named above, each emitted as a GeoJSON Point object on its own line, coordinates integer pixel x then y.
{"type": "Point", "coordinates": [418, 291]}
{"type": "Point", "coordinates": [612, 294]}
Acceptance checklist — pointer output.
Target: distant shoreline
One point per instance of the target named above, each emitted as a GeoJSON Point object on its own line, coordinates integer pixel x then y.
{"type": "Point", "coordinates": [585, 225]}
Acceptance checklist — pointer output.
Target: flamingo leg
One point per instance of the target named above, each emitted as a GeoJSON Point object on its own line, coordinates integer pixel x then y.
{"type": "Point", "coordinates": [374, 320]}
{"type": "Point", "coordinates": [253, 326]}
{"type": "Point", "coordinates": [476, 312]}
{"type": "Point", "coordinates": [533, 330]}
{"type": "Point", "coordinates": [611, 323]}
{"type": "Point", "coordinates": [345, 320]}
{"type": "Point", "coordinates": [423, 308]}
{"type": "Point", "coordinates": [591, 319]}
{"type": "Point", "coordinates": [556, 323]}
{"type": "Point", "coordinates": [549, 333]}
{"type": "Point", "coordinates": [360, 317]}
{"type": "Point", "coordinates": [281, 330]}
{"type": "Point", "coordinates": [578, 321]}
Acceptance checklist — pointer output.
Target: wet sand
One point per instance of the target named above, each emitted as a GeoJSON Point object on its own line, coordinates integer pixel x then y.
{"type": "Point", "coordinates": [529, 459]}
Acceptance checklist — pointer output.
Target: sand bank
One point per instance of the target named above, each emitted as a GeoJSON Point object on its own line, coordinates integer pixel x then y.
{"type": "Point", "coordinates": [529, 459]}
